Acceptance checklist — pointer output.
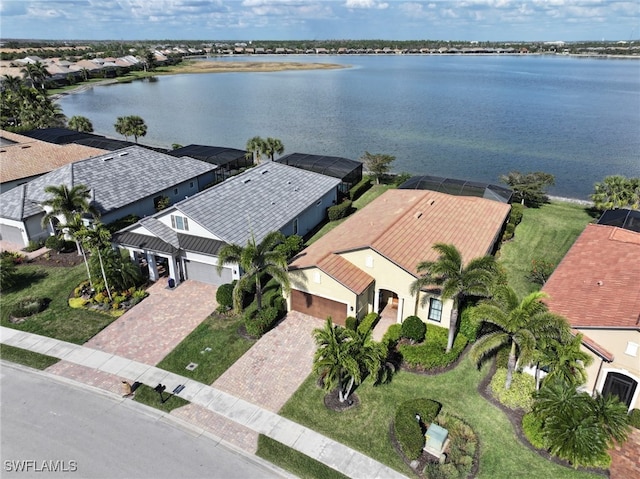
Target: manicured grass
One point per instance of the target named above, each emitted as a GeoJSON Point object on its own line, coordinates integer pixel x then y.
{"type": "Point", "coordinates": [220, 334]}
{"type": "Point", "coordinates": [366, 428]}
{"type": "Point", "coordinates": [293, 461]}
{"type": "Point", "coordinates": [27, 358]}
{"type": "Point", "coordinates": [370, 195]}
{"type": "Point", "coordinates": [544, 233]}
{"type": "Point", "coordinates": [147, 395]}
{"type": "Point", "coordinates": [58, 320]}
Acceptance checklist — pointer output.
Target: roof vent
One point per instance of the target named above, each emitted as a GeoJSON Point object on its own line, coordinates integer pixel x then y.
{"type": "Point", "coordinates": [107, 158]}
{"type": "Point", "coordinates": [24, 147]}
{"type": "Point", "coordinates": [124, 153]}
{"type": "Point", "coordinates": [432, 202]}
{"type": "Point", "coordinates": [418, 215]}
{"type": "Point", "coordinates": [247, 180]}
{"type": "Point", "coordinates": [264, 172]}
{"type": "Point", "coordinates": [600, 283]}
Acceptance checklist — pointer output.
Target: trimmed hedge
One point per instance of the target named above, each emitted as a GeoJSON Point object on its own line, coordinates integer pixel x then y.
{"type": "Point", "coordinates": [351, 323]}
{"type": "Point", "coordinates": [431, 354]}
{"type": "Point", "coordinates": [413, 328]}
{"type": "Point", "coordinates": [517, 211]}
{"type": "Point", "coordinates": [340, 211]}
{"type": "Point", "coordinates": [468, 326]}
{"type": "Point", "coordinates": [532, 428]}
{"type": "Point", "coordinates": [262, 321]}
{"type": "Point", "coordinates": [359, 188]}
{"type": "Point", "coordinates": [368, 323]}
{"type": "Point", "coordinates": [392, 336]}
{"type": "Point", "coordinates": [519, 395]}
{"type": "Point", "coordinates": [406, 427]}
{"type": "Point", "coordinates": [634, 418]}
{"type": "Point", "coordinates": [224, 295]}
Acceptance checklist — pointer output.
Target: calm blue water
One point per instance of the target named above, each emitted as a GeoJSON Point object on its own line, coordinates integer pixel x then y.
{"type": "Point", "coordinates": [466, 117]}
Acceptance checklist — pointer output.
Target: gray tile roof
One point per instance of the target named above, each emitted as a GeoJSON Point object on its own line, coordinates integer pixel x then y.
{"type": "Point", "coordinates": [260, 200]}
{"type": "Point", "coordinates": [116, 179]}
{"type": "Point", "coordinates": [161, 230]}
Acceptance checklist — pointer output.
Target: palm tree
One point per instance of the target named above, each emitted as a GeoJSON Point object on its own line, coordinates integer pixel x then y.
{"type": "Point", "coordinates": [566, 360]}
{"type": "Point", "coordinates": [132, 125]}
{"type": "Point", "coordinates": [12, 83]}
{"type": "Point", "coordinates": [76, 228]}
{"type": "Point", "coordinates": [97, 238]}
{"type": "Point", "coordinates": [254, 147]}
{"type": "Point", "coordinates": [81, 123]}
{"type": "Point", "coordinates": [616, 192]}
{"type": "Point", "coordinates": [37, 73]}
{"type": "Point", "coordinates": [455, 280]}
{"type": "Point", "coordinates": [255, 261]}
{"type": "Point", "coordinates": [121, 126]}
{"type": "Point", "coordinates": [519, 324]}
{"type": "Point", "coordinates": [271, 146]}
{"type": "Point", "coordinates": [344, 357]}
{"type": "Point", "coordinates": [64, 203]}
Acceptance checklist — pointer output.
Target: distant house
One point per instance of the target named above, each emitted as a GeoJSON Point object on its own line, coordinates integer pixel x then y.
{"type": "Point", "coordinates": [369, 262]}
{"type": "Point", "coordinates": [230, 161]}
{"type": "Point", "coordinates": [348, 171]}
{"type": "Point", "coordinates": [23, 159]}
{"type": "Point", "coordinates": [184, 240]}
{"type": "Point", "coordinates": [123, 182]}
{"type": "Point", "coordinates": [597, 288]}
{"type": "Point", "coordinates": [65, 136]}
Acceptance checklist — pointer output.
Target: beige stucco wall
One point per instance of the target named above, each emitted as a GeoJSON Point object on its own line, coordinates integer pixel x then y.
{"type": "Point", "coordinates": [315, 281]}
{"type": "Point", "coordinates": [616, 343]}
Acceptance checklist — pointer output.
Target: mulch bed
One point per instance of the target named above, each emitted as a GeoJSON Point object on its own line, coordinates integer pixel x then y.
{"type": "Point", "coordinates": [332, 401]}
{"type": "Point", "coordinates": [54, 259]}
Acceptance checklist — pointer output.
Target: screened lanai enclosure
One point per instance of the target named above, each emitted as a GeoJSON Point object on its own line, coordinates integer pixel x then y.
{"type": "Point", "coordinates": [348, 171]}
{"type": "Point", "coordinates": [452, 186]}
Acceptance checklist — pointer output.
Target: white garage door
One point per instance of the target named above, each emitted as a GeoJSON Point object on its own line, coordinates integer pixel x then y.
{"type": "Point", "coordinates": [11, 234]}
{"type": "Point", "coordinates": [207, 273]}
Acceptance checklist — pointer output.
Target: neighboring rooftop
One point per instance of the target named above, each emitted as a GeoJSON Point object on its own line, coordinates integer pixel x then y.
{"type": "Point", "coordinates": [217, 155]}
{"type": "Point", "coordinates": [64, 136]}
{"type": "Point", "coordinates": [627, 219]}
{"type": "Point", "coordinates": [25, 157]}
{"type": "Point", "coordinates": [457, 187]}
{"type": "Point", "coordinates": [116, 179]}
{"type": "Point", "coordinates": [260, 200]}
{"type": "Point", "coordinates": [335, 166]}
{"type": "Point", "coordinates": [403, 226]}
{"type": "Point", "coordinates": [597, 284]}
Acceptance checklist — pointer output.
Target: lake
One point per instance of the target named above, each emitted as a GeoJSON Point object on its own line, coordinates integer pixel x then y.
{"type": "Point", "coordinates": [470, 117]}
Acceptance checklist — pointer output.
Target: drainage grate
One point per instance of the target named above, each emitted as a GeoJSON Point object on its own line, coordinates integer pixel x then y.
{"type": "Point", "coordinates": [191, 366]}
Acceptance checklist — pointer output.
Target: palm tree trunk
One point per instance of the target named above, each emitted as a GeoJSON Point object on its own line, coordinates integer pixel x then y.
{"type": "Point", "coordinates": [104, 276]}
{"type": "Point", "coordinates": [347, 392]}
{"type": "Point", "coordinates": [453, 326]}
{"type": "Point", "coordinates": [511, 365]}
{"type": "Point", "coordinates": [258, 293]}
{"type": "Point", "coordinates": [86, 264]}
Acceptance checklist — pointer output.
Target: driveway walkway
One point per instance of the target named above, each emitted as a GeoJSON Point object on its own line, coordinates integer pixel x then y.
{"type": "Point", "coordinates": [153, 328]}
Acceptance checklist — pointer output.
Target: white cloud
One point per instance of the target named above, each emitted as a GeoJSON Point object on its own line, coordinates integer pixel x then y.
{"type": "Point", "coordinates": [371, 4]}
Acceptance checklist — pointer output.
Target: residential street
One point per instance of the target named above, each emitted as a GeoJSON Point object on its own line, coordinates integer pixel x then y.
{"type": "Point", "coordinates": [47, 424]}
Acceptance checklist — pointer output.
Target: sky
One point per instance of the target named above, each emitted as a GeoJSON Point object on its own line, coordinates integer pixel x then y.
{"type": "Point", "coordinates": [247, 20]}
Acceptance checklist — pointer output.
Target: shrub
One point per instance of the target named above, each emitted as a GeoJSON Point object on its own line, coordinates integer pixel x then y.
{"type": "Point", "coordinates": [519, 395]}
{"type": "Point", "coordinates": [55, 243]}
{"type": "Point", "coordinates": [262, 321]}
{"type": "Point", "coordinates": [280, 304]}
{"type": "Point", "coordinates": [77, 302]}
{"type": "Point", "coordinates": [540, 271]}
{"type": "Point", "coordinates": [509, 230]}
{"type": "Point", "coordinates": [359, 188]}
{"type": "Point", "coordinates": [517, 211]}
{"type": "Point", "coordinates": [468, 326]}
{"type": "Point", "coordinates": [401, 178]}
{"type": "Point", "coordinates": [462, 446]}
{"type": "Point", "coordinates": [28, 307]}
{"type": "Point", "coordinates": [413, 328]}
{"type": "Point", "coordinates": [34, 245]}
{"type": "Point", "coordinates": [634, 418]}
{"type": "Point", "coordinates": [431, 354]}
{"type": "Point", "coordinates": [532, 428]}
{"type": "Point", "coordinates": [408, 431]}
{"type": "Point", "coordinates": [351, 323]}
{"type": "Point", "coordinates": [340, 211]}
{"type": "Point", "coordinates": [292, 246]}
{"type": "Point", "coordinates": [8, 274]}
{"type": "Point", "coordinates": [368, 323]}
{"type": "Point", "coordinates": [224, 295]}
{"type": "Point", "coordinates": [502, 357]}
{"type": "Point", "coordinates": [392, 336]}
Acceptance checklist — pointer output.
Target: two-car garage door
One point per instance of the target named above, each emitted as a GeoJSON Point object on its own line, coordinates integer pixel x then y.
{"type": "Point", "coordinates": [11, 234]}
{"type": "Point", "coordinates": [318, 307]}
{"type": "Point", "coordinates": [207, 273]}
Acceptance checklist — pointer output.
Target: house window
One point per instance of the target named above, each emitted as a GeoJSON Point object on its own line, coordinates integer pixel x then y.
{"type": "Point", "coordinates": [179, 223]}
{"type": "Point", "coordinates": [632, 349]}
{"type": "Point", "coordinates": [435, 309]}
{"type": "Point", "coordinates": [295, 226]}
{"type": "Point", "coordinates": [175, 191]}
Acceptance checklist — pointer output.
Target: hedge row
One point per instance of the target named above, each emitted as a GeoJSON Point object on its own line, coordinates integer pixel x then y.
{"type": "Point", "coordinates": [431, 354]}
{"type": "Point", "coordinates": [408, 430]}
{"type": "Point", "coordinates": [368, 323]}
{"type": "Point", "coordinates": [515, 217]}
{"type": "Point", "coordinates": [340, 211]}
{"type": "Point", "coordinates": [519, 395]}
{"type": "Point", "coordinates": [359, 188]}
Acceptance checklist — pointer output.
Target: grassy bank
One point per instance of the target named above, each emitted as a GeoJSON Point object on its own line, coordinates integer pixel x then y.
{"type": "Point", "coordinates": [26, 358]}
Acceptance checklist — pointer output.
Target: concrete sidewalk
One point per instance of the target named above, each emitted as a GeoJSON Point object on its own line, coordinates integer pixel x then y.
{"type": "Point", "coordinates": [331, 453]}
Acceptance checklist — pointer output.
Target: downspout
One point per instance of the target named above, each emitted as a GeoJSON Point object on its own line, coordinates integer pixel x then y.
{"type": "Point", "coordinates": [595, 384]}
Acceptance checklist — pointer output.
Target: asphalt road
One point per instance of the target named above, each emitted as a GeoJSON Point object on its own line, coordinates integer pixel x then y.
{"type": "Point", "coordinates": [56, 429]}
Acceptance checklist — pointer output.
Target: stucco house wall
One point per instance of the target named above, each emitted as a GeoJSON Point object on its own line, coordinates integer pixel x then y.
{"type": "Point", "coordinates": [318, 283]}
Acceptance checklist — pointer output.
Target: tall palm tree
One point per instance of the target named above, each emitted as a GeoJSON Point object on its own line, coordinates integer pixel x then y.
{"type": "Point", "coordinates": [12, 83]}
{"type": "Point", "coordinates": [132, 125]}
{"type": "Point", "coordinates": [64, 203]}
{"type": "Point", "coordinates": [255, 261]}
{"type": "Point", "coordinates": [81, 123]}
{"type": "Point", "coordinates": [345, 357]}
{"type": "Point", "coordinates": [272, 146]}
{"type": "Point", "coordinates": [615, 192]}
{"type": "Point", "coordinates": [254, 147]}
{"type": "Point", "coordinates": [97, 237]}
{"type": "Point", "coordinates": [121, 126]}
{"type": "Point", "coordinates": [566, 360]}
{"type": "Point", "coordinates": [37, 73]}
{"type": "Point", "coordinates": [76, 227]}
{"type": "Point", "coordinates": [519, 324]}
{"type": "Point", "coordinates": [455, 280]}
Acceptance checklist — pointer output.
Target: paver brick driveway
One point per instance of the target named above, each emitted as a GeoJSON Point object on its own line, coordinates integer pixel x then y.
{"type": "Point", "coordinates": [153, 328]}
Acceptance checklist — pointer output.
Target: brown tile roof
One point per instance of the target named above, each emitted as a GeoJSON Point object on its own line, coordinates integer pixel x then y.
{"type": "Point", "coordinates": [597, 284]}
{"type": "Point", "coordinates": [346, 273]}
{"type": "Point", "coordinates": [403, 225]}
{"type": "Point", "coordinates": [28, 157]}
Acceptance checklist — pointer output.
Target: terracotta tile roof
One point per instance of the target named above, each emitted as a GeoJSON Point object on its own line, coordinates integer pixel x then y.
{"type": "Point", "coordinates": [403, 225]}
{"type": "Point", "coordinates": [597, 284]}
{"type": "Point", "coordinates": [28, 157]}
{"type": "Point", "coordinates": [346, 273]}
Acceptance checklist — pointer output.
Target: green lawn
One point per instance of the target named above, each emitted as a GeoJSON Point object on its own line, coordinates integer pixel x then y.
{"type": "Point", "coordinates": [147, 395]}
{"type": "Point", "coordinates": [58, 320]}
{"type": "Point", "coordinates": [27, 358]}
{"type": "Point", "coordinates": [544, 233]}
{"type": "Point", "coordinates": [214, 345]}
{"type": "Point", "coordinates": [366, 428]}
